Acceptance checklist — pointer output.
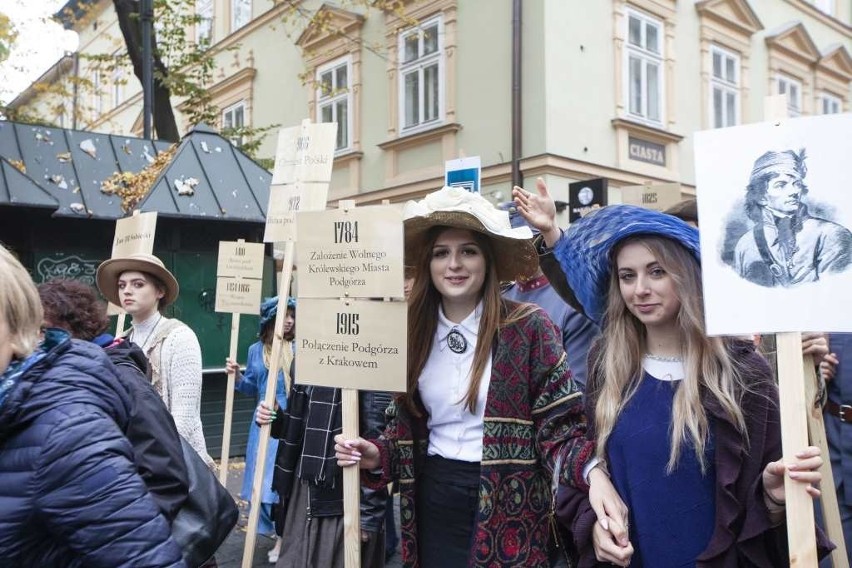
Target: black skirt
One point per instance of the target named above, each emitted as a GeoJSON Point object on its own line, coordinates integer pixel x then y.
{"type": "Point", "coordinates": [447, 503]}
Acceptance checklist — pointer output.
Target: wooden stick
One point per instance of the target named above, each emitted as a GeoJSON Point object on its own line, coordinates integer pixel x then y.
{"type": "Point", "coordinates": [351, 486]}
{"type": "Point", "coordinates": [229, 402]}
{"type": "Point", "coordinates": [830, 509]}
{"type": "Point", "coordinates": [269, 398]}
{"type": "Point", "coordinates": [801, 535]}
{"type": "Point", "coordinates": [119, 323]}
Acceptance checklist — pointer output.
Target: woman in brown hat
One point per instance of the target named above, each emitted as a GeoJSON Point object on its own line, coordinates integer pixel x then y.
{"type": "Point", "coordinates": [491, 407]}
{"type": "Point", "coordinates": [142, 286]}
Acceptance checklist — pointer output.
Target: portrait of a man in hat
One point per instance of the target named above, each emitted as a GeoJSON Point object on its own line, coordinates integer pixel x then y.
{"type": "Point", "coordinates": [787, 245]}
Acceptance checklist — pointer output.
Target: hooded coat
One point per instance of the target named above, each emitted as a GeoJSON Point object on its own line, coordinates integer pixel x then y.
{"type": "Point", "coordinates": [69, 490]}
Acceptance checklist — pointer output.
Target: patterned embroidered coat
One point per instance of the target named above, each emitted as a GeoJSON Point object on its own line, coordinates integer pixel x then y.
{"type": "Point", "coordinates": [533, 413]}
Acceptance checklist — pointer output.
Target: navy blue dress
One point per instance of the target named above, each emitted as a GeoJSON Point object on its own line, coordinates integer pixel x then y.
{"type": "Point", "coordinates": [671, 515]}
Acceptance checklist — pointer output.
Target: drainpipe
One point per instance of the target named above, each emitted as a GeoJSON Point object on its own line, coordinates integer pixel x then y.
{"type": "Point", "coordinates": [516, 93]}
{"type": "Point", "coordinates": [146, 12]}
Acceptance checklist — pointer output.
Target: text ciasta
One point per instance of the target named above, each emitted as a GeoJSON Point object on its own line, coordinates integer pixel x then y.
{"type": "Point", "coordinates": [349, 347]}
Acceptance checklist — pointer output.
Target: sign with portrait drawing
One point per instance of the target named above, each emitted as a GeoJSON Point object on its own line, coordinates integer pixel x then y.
{"type": "Point", "coordinates": [775, 213]}
{"type": "Point", "coordinates": [351, 253]}
{"type": "Point", "coordinates": [355, 344]}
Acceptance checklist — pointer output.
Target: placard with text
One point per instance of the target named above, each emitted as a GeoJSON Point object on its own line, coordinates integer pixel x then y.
{"type": "Point", "coordinates": [239, 277]}
{"type": "Point", "coordinates": [134, 234]}
{"type": "Point", "coordinates": [285, 201]}
{"type": "Point", "coordinates": [658, 197]}
{"type": "Point", "coordinates": [351, 253]}
{"type": "Point", "coordinates": [355, 344]}
{"type": "Point", "coordinates": [305, 153]}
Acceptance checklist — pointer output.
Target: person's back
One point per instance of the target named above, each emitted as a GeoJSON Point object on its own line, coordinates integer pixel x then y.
{"type": "Point", "coordinates": [69, 490]}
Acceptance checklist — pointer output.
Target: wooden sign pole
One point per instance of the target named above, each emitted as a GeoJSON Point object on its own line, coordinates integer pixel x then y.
{"type": "Point", "coordinates": [828, 496]}
{"type": "Point", "coordinates": [269, 399]}
{"type": "Point", "coordinates": [801, 530]}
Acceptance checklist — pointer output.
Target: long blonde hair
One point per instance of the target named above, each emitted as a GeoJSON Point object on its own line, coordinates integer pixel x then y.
{"type": "Point", "coordinates": [710, 371]}
{"type": "Point", "coordinates": [20, 305]}
{"type": "Point", "coordinates": [423, 305]}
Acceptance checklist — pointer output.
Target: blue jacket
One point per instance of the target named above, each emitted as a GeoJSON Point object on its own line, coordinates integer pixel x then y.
{"type": "Point", "coordinates": [69, 491]}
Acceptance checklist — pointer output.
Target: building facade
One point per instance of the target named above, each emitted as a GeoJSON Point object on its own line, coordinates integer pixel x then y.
{"type": "Point", "coordinates": [609, 88]}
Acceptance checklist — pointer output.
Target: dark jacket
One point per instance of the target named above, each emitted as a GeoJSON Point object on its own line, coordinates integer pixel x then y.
{"type": "Point", "coordinates": [743, 534]}
{"type": "Point", "coordinates": [326, 500]}
{"type": "Point", "coordinates": [69, 491]}
{"type": "Point", "coordinates": [151, 431]}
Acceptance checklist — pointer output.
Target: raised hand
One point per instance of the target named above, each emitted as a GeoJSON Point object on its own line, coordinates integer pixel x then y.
{"type": "Point", "coordinates": [538, 210]}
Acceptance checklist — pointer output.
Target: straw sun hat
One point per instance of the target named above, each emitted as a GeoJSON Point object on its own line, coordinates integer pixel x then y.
{"type": "Point", "coordinates": [110, 270]}
{"type": "Point", "coordinates": [455, 207]}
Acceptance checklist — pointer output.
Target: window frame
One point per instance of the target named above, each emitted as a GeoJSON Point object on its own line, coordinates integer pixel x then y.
{"type": "Point", "coordinates": [646, 58]}
{"type": "Point", "coordinates": [726, 86]}
{"type": "Point", "coordinates": [230, 109]}
{"type": "Point", "coordinates": [418, 65]}
{"type": "Point", "coordinates": [824, 6]}
{"type": "Point", "coordinates": [321, 100]}
{"type": "Point", "coordinates": [118, 80]}
{"type": "Point", "coordinates": [203, 7]}
{"type": "Point", "coordinates": [831, 98]}
{"type": "Point", "coordinates": [788, 81]}
{"type": "Point", "coordinates": [237, 25]}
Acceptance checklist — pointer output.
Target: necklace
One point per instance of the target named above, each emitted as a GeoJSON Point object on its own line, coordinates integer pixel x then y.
{"type": "Point", "coordinates": [147, 337]}
{"type": "Point", "coordinates": [456, 341]}
{"type": "Point", "coordinates": [664, 359]}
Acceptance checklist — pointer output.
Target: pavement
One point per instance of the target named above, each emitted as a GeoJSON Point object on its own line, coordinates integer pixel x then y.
{"type": "Point", "coordinates": [230, 554]}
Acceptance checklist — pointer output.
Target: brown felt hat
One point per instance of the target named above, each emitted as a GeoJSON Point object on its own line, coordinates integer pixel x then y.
{"type": "Point", "coordinates": [514, 253]}
{"type": "Point", "coordinates": [110, 270]}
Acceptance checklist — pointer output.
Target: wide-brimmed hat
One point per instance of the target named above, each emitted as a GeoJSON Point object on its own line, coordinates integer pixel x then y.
{"type": "Point", "coordinates": [455, 207]}
{"type": "Point", "coordinates": [585, 249]}
{"type": "Point", "coordinates": [269, 309]}
{"type": "Point", "coordinates": [110, 270]}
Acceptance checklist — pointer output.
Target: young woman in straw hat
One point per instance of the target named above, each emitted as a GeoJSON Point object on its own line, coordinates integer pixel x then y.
{"type": "Point", "coordinates": [143, 287]}
{"type": "Point", "coordinates": [253, 383]}
{"type": "Point", "coordinates": [71, 494]}
{"type": "Point", "coordinates": [490, 405]}
{"type": "Point", "coordinates": [674, 412]}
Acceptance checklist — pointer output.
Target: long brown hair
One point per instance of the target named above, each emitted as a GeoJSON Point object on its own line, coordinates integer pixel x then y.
{"type": "Point", "coordinates": [710, 370]}
{"type": "Point", "coordinates": [424, 303]}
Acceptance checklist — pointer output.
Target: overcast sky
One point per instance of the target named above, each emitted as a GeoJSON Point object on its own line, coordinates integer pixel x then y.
{"type": "Point", "coordinates": [41, 42]}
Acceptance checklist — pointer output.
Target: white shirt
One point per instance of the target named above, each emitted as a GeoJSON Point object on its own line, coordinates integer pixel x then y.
{"type": "Point", "coordinates": [454, 433]}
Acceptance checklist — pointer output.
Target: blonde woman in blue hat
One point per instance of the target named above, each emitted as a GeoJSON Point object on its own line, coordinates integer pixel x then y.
{"type": "Point", "coordinates": [253, 383]}
{"type": "Point", "coordinates": [687, 426]}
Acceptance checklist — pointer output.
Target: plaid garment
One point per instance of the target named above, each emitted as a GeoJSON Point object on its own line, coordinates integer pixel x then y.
{"type": "Point", "coordinates": [306, 447]}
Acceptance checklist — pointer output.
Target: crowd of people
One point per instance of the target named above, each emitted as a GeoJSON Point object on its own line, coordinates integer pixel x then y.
{"type": "Point", "coordinates": [564, 406]}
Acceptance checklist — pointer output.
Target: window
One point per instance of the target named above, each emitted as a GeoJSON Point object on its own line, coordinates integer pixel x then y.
{"type": "Point", "coordinates": [725, 88]}
{"type": "Point", "coordinates": [793, 90]}
{"type": "Point", "coordinates": [204, 25]}
{"type": "Point", "coordinates": [234, 117]}
{"type": "Point", "coordinates": [97, 96]}
{"type": "Point", "coordinates": [826, 6]}
{"type": "Point", "coordinates": [117, 80]}
{"type": "Point", "coordinates": [421, 75]}
{"type": "Point", "coordinates": [240, 13]}
{"type": "Point", "coordinates": [829, 104]}
{"type": "Point", "coordinates": [644, 67]}
{"type": "Point", "coordinates": [334, 98]}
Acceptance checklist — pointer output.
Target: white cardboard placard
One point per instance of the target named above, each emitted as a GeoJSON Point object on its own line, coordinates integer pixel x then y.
{"type": "Point", "coordinates": [305, 153]}
{"type": "Point", "coordinates": [285, 201]}
{"type": "Point", "coordinates": [749, 288]}
{"type": "Point", "coordinates": [351, 253]}
{"type": "Point", "coordinates": [354, 344]}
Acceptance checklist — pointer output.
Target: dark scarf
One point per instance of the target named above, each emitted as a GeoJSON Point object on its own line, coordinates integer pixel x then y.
{"type": "Point", "coordinates": [313, 418]}
{"type": "Point", "coordinates": [16, 369]}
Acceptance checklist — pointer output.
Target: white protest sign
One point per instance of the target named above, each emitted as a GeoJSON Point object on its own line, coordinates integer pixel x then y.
{"type": "Point", "coordinates": [775, 212]}
{"type": "Point", "coordinates": [285, 201]}
{"type": "Point", "coordinates": [351, 253]}
{"type": "Point", "coordinates": [305, 153]}
{"type": "Point", "coordinates": [657, 197]}
{"type": "Point", "coordinates": [239, 277]}
{"type": "Point", "coordinates": [354, 344]}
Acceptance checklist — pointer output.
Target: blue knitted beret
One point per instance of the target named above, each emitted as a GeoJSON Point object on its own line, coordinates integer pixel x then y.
{"type": "Point", "coordinates": [269, 309]}
{"type": "Point", "coordinates": [584, 250]}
